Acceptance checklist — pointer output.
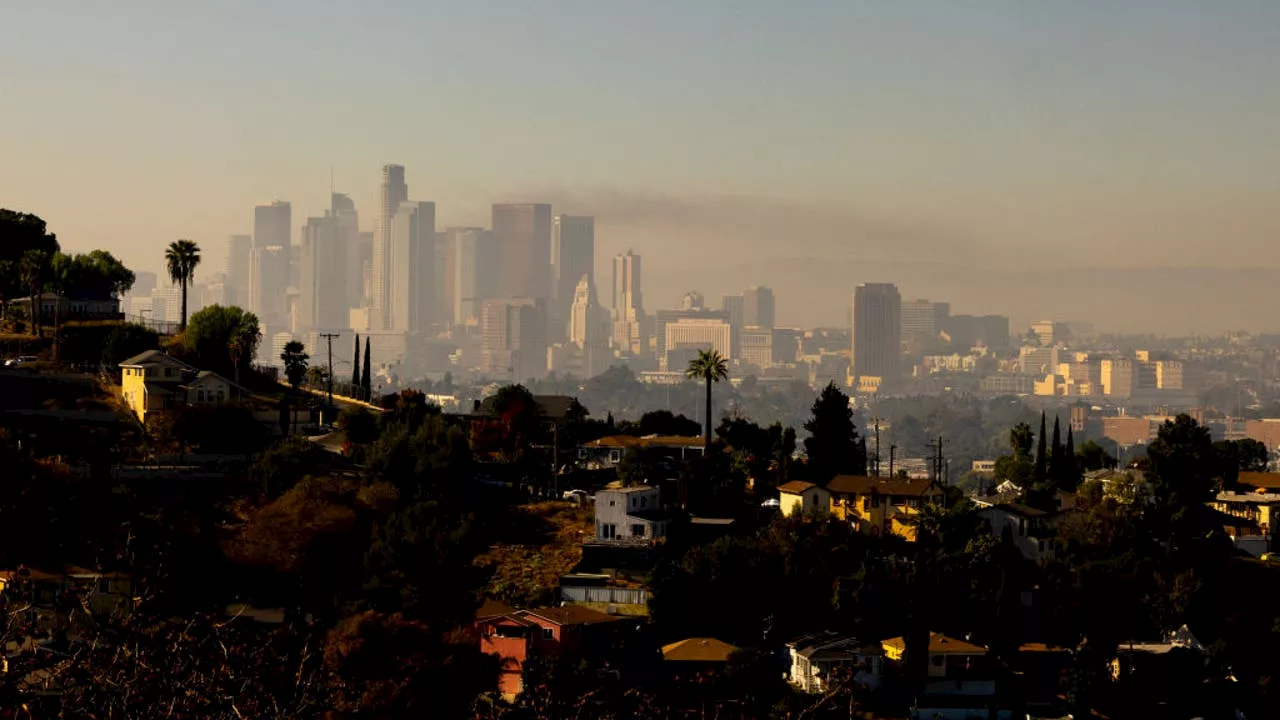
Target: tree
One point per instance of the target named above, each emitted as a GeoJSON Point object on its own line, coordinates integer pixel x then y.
{"type": "Point", "coordinates": [1252, 455]}
{"type": "Point", "coordinates": [19, 234]}
{"type": "Point", "coordinates": [1092, 456]}
{"type": "Point", "coordinates": [1041, 471]}
{"type": "Point", "coordinates": [125, 341]}
{"type": "Point", "coordinates": [295, 360]}
{"type": "Point", "coordinates": [1070, 471]}
{"type": "Point", "coordinates": [366, 381]}
{"type": "Point", "coordinates": [1184, 473]}
{"type": "Point", "coordinates": [222, 338]}
{"type": "Point", "coordinates": [355, 369]}
{"type": "Point", "coordinates": [181, 259]}
{"type": "Point", "coordinates": [710, 367]}
{"type": "Point", "coordinates": [34, 270]}
{"type": "Point", "coordinates": [97, 275]}
{"type": "Point", "coordinates": [833, 445]}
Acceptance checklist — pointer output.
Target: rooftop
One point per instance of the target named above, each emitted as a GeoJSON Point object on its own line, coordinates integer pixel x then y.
{"type": "Point", "coordinates": [795, 487]}
{"type": "Point", "coordinates": [940, 644]}
{"type": "Point", "coordinates": [698, 650]}
{"type": "Point", "coordinates": [863, 485]}
{"type": "Point", "coordinates": [1260, 480]}
{"type": "Point", "coordinates": [155, 357]}
{"type": "Point", "coordinates": [570, 615]}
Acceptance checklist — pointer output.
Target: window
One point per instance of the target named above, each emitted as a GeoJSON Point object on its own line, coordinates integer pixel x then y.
{"type": "Point", "coordinates": [615, 456]}
{"type": "Point", "coordinates": [200, 395]}
{"type": "Point", "coordinates": [1022, 527]}
{"type": "Point", "coordinates": [937, 660]}
{"type": "Point", "coordinates": [913, 502]}
{"type": "Point", "coordinates": [875, 500]}
{"type": "Point", "coordinates": [633, 501]}
{"type": "Point", "coordinates": [1041, 545]}
{"type": "Point", "coordinates": [168, 372]}
{"type": "Point", "coordinates": [637, 531]}
{"type": "Point", "coordinates": [220, 395]}
{"type": "Point", "coordinates": [103, 585]}
{"type": "Point", "coordinates": [643, 501]}
{"type": "Point", "coordinates": [610, 503]}
{"type": "Point", "coordinates": [548, 634]}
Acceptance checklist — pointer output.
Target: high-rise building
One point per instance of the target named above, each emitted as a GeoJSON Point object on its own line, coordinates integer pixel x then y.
{"type": "Point", "coordinates": [474, 269]}
{"type": "Point", "coordinates": [364, 245]}
{"type": "Point", "coordinates": [343, 210]}
{"type": "Point", "coordinates": [268, 284]}
{"type": "Point", "coordinates": [239, 255]}
{"type": "Point", "coordinates": [1119, 377]}
{"type": "Point", "coordinates": [444, 260]}
{"type": "Point", "coordinates": [628, 305]}
{"type": "Point", "coordinates": [877, 334]}
{"type": "Point", "coordinates": [1169, 375]}
{"type": "Point", "coordinates": [412, 241]}
{"type": "Point", "coordinates": [272, 224]}
{"type": "Point", "coordinates": [394, 192]}
{"type": "Point", "coordinates": [922, 323]}
{"type": "Point", "coordinates": [322, 298]}
{"type": "Point", "coordinates": [966, 331]}
{"type": "Point", "coordinates": [755, 347]}
{"type": "Point", "coordinates": [757, 307]}
{"type": "Point", "coordinates": [735, 306]}
{"type": "Point", "coordinates": [689, 334]}
{"type": "Point", "coordinates": [513, 339]}
{"type": "Point", "coordinates": [573, 254]}
{"type": "Point", "coordinates": [523, 235]}
{"type": "Point", "coordinates": [589, 330]}
{"type": "Point", "coordinates": [1049, 332]}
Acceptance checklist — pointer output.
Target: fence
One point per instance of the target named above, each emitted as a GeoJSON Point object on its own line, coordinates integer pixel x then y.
{"type": "Point", "coordinates": [609, 595]}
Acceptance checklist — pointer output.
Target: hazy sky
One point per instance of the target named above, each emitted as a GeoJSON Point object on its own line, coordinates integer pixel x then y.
{"type": "Point", "coordinates": [1087, 134]}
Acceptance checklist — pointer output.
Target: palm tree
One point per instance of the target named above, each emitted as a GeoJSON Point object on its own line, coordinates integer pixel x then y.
{"type": "Point", "coordinates": [182, 257]}
{"type": "Point", "coordinates": [295, 359]}
{"type": "Point", "coordinates": [711, 367]}
{"type": "Point", "coordinates": [244, 342]}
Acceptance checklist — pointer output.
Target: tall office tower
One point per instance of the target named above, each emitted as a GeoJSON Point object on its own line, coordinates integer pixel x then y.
{"type": "Point", "coordinates": [877, 336]}
{"type": "Point", "coordinates": [143, 283]}
{"type": "Point", "coordinates": [474, 266]}
{"type": "Point", "coordinates": [523, 235]}
{"type": "Point", "coordinates": [628, 305]}
{"type": "Point", "coordinates": [343, 210]}
{"type": "Point", "coordinates": [735, 306]}
{"type": "Point", "coordinates": [268, 282]}
{"type": "Point", "coordinates": [513, 341]}
{"type": "Point", "coordinates": [365, 255]}
{"type": "Point", "coordinates": [1119, 377]}
{"type": "Point", "coordinates": [757, 307]}
{"type": "Point", "coordinates": [322, 291]}
{"type": "Point", "coordinates": [239, 252]}
{"type": "Point", "coordinates": [444, 259]}
{"type": "Point", "coordinates": [394, 192]}
{"type": "Point", "coordinates": [408, 285]}
{"type": "Point", "coordinates": [685, 336]}
{"type": "Point", "coordinates": [272, 224]}
{"type": "Point", "coordinates": [922, 322]}
{"type": "Point", "coordinates": [573, 254]}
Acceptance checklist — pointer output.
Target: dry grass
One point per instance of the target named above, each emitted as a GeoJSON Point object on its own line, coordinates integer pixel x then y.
{"type": "Point", "coordinates": [543, 542]}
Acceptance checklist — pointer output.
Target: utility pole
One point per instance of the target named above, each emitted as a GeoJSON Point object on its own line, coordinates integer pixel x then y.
{"type": "Point", "coordinates": [891, 449]}
{"type": "Point", "coordinates": [875, 460]}
{"type": "Point", "coordinates": [329, 337]}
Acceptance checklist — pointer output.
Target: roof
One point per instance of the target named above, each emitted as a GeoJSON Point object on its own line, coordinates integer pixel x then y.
{"type": "Point", "coordinates": [698, 650]}
{"type": "Point", "coordinates": [830, 645]}
{"type": "Point", "coordinates": [1041, 648]}
{"type": "Point", "coordinates": [155, 357]}
{"type": "Point", "coordinates": [940, 644]}
{"type": "Point", "coordinates": [863, 485]}
{"type": "Point", "coordinates": [492, 608]}
{"type": "Point", "coordinates": [646, 441]}
{"type": "Point", "coordinates": [1259, 480]}
{"type": "Point", "coordinates": [1020, 510]}
{"type": "Point", "coordinates": [795, 487]}
{"type": "Point", "coordinates": [627, 490]}
{"type": "Point", "coordinates": [571, 615]}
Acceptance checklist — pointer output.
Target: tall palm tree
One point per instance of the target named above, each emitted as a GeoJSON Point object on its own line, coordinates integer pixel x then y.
{"type": "Point", "coordinates": [711, 367]}
{"type": "Point", "coordinates": [182, 257]}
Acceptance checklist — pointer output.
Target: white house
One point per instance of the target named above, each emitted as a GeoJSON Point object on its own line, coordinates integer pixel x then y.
{"type": "Point", "coordinates": [816, 657]}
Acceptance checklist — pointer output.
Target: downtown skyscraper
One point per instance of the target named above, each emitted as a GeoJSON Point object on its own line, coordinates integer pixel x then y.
{"type": "Point", "coordinates": [409, 256]}
{"type": "Point", "coordinates": [523, 236]}
{"type": "Point", "coordinates": [877, 337]}
{"type": "Point", "coordinates": [628, 305]}
{"type": "Point", "coordinates": [394, 192]}
{"type": "Point", "coordinates": [573, 256]}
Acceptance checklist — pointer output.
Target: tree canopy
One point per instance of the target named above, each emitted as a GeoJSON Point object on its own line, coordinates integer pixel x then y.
{"type": "Point", "coordinates": [833, 446]}
{"type": "Point", "coordinates": [97, 275]}
{"type": "Point", "coordinates": [222, 338]}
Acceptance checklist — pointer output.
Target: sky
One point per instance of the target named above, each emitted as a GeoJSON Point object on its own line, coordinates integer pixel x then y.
{"type": "Point", "coordinates": [990, 153]}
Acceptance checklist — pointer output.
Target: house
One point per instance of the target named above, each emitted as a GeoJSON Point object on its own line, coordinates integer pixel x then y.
{"type": "Point", "coordinates": [70, 306]}
{"type": "Point", "coordinates": [880, 506]}
{"type": "Point", "coordinates": [1248, 517]}
{"type": "Point", "coordinates": [607, 452]}
{"type": "Point", "coordinates": [1031, 530]}
{"type": "Point", "coordinates": [52, 595]}
{"type": "Point", "coordinates": [698, 653]}
{"type": "Point", "coordinates": [154, 381]}
{"type": "Point", "coordinates": [949, 658]}
{"type": "Point", "coordinates": [798, 498]}
{"type": "Point", "coordinates": [817, 657]}
{"type": "Point", "coordinates": [630, 514]}
{"type": "Point", "coordinates": [571, 630]}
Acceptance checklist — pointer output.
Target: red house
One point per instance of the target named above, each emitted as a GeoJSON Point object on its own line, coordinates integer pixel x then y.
{"type": "Point", "coordinates": [571, 629]}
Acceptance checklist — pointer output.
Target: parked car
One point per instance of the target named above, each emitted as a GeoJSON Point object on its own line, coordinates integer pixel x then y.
{"type": "Point", "coordinates": [20, 360]}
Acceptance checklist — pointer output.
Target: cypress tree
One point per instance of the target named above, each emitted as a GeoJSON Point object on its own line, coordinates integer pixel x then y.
{"type": "Point", "coordinates": [1041, 469]}
{"type": "Point", "coordinates": [1071, 473]}
{"type": "Point", "coordinates": [1057, 463]}
{"type": "Point", "coordinates": [355, 369]}
{"type": "Point", "coordinates": [366, 381]}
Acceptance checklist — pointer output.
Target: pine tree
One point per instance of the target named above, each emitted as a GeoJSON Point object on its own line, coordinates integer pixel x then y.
{"type": "Point", "coordinates": [1041, 469]}
{"type": "Point", "coordinates": [1071, 472]}
{"type": "Point", "coordinates": [366, 379]}
{"type": "Point", "coordinates": [355, 370]}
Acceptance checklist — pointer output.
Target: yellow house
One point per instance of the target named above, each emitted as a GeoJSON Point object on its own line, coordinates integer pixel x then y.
{"type": "Point", "coordinates": [948, 657]}
{"type": "Point", "coordinates": [798, 498]}
{"type": "Point", "coordinates": [153, 382]}
{"type": "Point", "coordinates": [879, 506]}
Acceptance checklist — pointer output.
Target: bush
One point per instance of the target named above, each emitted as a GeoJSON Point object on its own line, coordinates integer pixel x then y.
{"type": "Point", "coordinates": [126, 340]}
{"type": "Point", "coordinates": [230, 429]}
